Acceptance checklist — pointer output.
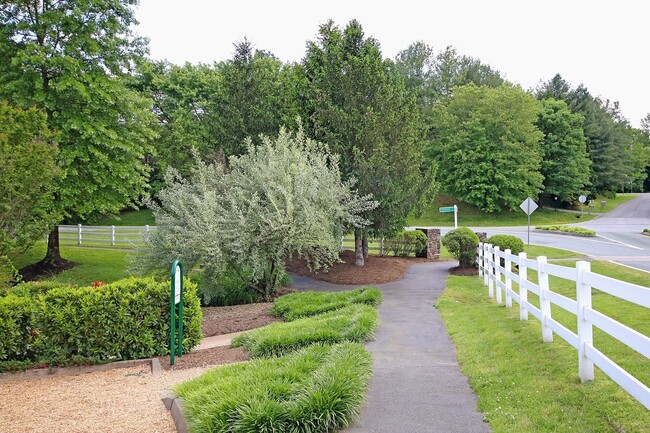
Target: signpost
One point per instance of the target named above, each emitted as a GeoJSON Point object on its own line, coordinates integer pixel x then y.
{"type": "Point", "coordinates": [176, 299]}
{"type": "Point", "coordinates": [453, 209]}
{"type": "Point", "coordinates": [582, 199]}
{"type": "Point", "coordinates": [528, 206]}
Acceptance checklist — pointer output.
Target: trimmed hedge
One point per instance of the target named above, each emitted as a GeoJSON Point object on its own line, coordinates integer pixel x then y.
{"type": "Point", "coordinates": [357, 322]}
{"type": "Point", "coordinates": [128, 319]}
{"type": "Point", "coordinates": [317, 389]}
{"type": "Point", "coordinates": [406, 243]}
{"type": "Point", "coordinates": [505, 242]}
{"type": "Point", "coordinates": [578, 231]}
{"type": "Point", "coordinates": [303, 304]}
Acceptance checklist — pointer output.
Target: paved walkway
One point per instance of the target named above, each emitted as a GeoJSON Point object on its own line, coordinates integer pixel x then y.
{"type": "Point", "coordinates": [417, 385]}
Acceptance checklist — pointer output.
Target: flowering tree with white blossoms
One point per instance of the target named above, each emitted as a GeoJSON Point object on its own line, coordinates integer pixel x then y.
{"type": "Point", "coordinates": [281, 198]}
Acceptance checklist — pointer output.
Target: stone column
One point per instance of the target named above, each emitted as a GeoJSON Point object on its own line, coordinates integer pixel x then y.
{"type": "Point", "coordinates": [432, 249]}
{"type": "Point", "coordinates": [482, 236]}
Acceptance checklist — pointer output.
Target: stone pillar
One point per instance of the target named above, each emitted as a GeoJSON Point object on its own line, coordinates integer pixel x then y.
{"type": "Point", "coordinates": [482, 236]}
{"type": "Point", "coordinates": [432, 249]}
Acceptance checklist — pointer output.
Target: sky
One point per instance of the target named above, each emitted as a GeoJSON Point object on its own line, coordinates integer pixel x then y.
{"type": "Point", "coordinates": [601, 44]}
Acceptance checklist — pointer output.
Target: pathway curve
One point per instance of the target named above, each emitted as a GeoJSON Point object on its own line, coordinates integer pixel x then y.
{"type": "Point", "coordinates": [417, 386]}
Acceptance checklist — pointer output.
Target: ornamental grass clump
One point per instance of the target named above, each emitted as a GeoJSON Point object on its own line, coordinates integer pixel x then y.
{"type": "Point", "coordinates": [317, 389]}
{"type": "Point", "coordinates": [303, 304]}
{"type": "Point", "coordinates": [356, 322]}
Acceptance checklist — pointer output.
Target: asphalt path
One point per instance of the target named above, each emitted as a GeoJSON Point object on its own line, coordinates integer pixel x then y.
{"type": "Point", "coordinates": [619, 238]}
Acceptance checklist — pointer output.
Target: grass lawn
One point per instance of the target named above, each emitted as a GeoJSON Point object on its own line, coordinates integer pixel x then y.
{"type": "Point", "coordinates": [470, 216]}
{"type": "Point", "coordinates": [94, 264]}
{"type": "Point", "coordinates": [533, 251]}
{"type": "Point", "coordinates": [525, 385]}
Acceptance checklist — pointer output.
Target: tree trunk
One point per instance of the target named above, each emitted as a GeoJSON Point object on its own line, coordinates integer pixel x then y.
{"type": "Point", "coordinates": [364, 244]}
{"type": "Point", "coordinates": [358, 247]}
{"type": "Point", "coordinates": [53, 254]}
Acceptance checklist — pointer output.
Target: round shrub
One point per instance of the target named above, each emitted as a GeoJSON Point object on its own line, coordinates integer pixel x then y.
{"type": "Point", "coordinates": [504, 242]}
{"type": "Point", "coordinates": [462, 243]}
{"type": "Point", "coordinates": [406, 243]}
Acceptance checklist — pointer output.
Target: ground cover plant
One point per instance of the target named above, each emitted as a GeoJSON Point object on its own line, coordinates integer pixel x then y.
{"type": "Point", "coordinates": [356, 322]}
{"type": "Point", "coordinates": [525, 385]}
{"type": "Point", "coordinates": [303, 304]}
{"type": "Point", "coordinates": [317, 389]}
{"type": "Point", "coordinates": [580, 231]}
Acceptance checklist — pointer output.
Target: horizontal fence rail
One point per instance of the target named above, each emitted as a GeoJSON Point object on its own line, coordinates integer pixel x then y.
{"type": "Point", "coordinates": [496, 270]}
{"type": "Point", "coordinates": [124, 236]}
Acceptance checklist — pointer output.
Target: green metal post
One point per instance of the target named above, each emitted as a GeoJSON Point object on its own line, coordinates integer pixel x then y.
{"type": "Point", "coordinates": [180, 315]}
{"type": "Point", "coordinates": [176, 345]}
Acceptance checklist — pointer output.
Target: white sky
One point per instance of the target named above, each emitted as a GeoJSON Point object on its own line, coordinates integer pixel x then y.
{"type": "Point", "coordinates": [602, 44]}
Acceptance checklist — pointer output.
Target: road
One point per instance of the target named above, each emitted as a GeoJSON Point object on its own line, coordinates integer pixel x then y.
{"type": "Point", "coordinates": [619, 237]}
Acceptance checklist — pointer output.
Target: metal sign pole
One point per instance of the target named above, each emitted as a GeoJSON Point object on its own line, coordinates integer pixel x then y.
{"type": "Point", "coordinates": [455, 216]}
{"type": "Point", "coordinates": [528, 224]}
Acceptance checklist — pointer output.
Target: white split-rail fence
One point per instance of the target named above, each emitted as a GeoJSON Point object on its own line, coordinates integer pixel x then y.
{"type": "Point", "coordinates": [125, 236]}
{"type": "Point", "coordinates": [499, 281]}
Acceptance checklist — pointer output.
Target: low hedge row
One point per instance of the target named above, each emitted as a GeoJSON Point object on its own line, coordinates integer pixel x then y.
{"type": "Point", "coordinates": [128, 319]}
{"type": "Point", "coordinates": [579, 231]}
{"type": "Point", "coordinates": [406, 243]}
{"type": "Point", "coordinates": [304, 304]}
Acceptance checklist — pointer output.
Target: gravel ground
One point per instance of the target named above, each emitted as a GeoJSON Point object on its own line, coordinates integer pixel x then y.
{"type": "Point", "coordinates": [115, 401]}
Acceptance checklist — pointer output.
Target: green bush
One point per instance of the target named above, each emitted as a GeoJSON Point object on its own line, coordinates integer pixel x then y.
{"type": "Point", "coordinates": [504, 242]}
{"type": "Point", "coordinates": [226, 287]}
{"type": "Point", "coordinates": [462, 243]}
{"type": "Point", "coordinates": [31, 288]}
{"type": "Point", "coordinates": [317, 389]}
{"type": "Point", "coordinates": [17, 341]}
{"type": "Point", "coordinates": [302, 304]}
{"type": "Point", "coordinates": [353, 323]}
{"type": "Point", "coordinates": [568, 229]}
{"type": "Point", "coordinates": [406, 243]}
{"type": "Point", "coordinates": [128, 319]}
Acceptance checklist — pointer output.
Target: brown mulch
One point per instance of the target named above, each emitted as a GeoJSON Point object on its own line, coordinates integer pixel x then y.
{"type": "Point", "coordinates": [236, 318]}
{"type": "Point", "coordinates": [377, 269]}
{"type": "Point", "coordinates": [44, 269]}
{"type": "Point", "coordinates": [206, 358]}
{"type": "Point", "coordinates": [463, 272]}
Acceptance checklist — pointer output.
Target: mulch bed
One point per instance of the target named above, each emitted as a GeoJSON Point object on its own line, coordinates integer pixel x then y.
{"type": "Point", "coordinates": [377, 269]}
{"type": "Point", "coordinates": [205, 358]}
{"type": "Point", "coordinates": [463, 272]}
{"type": "Point", "coordinates": [236, 318]}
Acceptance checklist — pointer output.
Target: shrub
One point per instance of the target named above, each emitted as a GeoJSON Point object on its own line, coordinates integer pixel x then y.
{"type": "Point", "coordinates": [17, 339]}
{"type": "Point", "coordinates": [127, 319]}
{"type": "Point", "coordinates": [580, 231]}
{"type": "Point", "coordinates": [406, 243]}
{"type": "Point", "coordinates": [353, 323]}
{"type": "Point", "coordinates": [504, 242]}
{"type": "Point", "coordinates": [462, 243]}
{"type": "Point", "coordinates": [317, 389]}
{"type": "Point", "coordinates": [31, 288]}
{"type": "Point", "coordinates": [226, 287]}
{"type": "Point", "coordinates": [303, 304]}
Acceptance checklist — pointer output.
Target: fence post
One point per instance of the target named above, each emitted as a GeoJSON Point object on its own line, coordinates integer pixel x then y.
{"type": "Point", "coordinates": [523, 291]}
{"type": "Point", "coordinates": [485, 262]}
{"type": "Point", "coordinates": [544, 304]}
{"type": "Point", "coordinates": [585, 331]}
{"type": "Point", "coordinates": [78, 234]}
{"type": "Point", "coordinates": [497, 273]}
{"type": "Point", "coordinates": [508, 280]}
{"type": "Point", "coordinates": [113, 235]}
{"type": "Point", "coordinates": [490, 270]}
{"type": "Point", "coordinates": [479, 259]}
{"type": "Point", "coordinates": [146, 233]}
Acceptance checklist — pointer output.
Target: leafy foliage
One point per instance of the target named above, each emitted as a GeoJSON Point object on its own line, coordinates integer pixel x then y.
{"type": "Point", "coordinates": [462, 243]}
{"type": "Point", "coordinates": [317, 389]}
{"type": "Point", "coordinates": [304, 304]}
{"type": "Point", "coordinates": [565, 164]}
{"type": "Point", "coordinates": [356, 322]}
{"type": "Point", "coordinates": [487, 146]}
{"type": "Point", "coordinates": [506, 242]}
{"type": "Point", "coordinates": [27, 171]}
{"type": "Point", "coordinates": [128, 319]}
{"type": "Point", "coordinates": [406, 243]}
{"type": "Point", "coordinates": [284, 196]}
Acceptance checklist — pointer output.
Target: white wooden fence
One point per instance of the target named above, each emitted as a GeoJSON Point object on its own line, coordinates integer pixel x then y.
{"type": "Point", "coordinates": [125, 236]}
{"type": "Point", "coordinates": [499, 281]}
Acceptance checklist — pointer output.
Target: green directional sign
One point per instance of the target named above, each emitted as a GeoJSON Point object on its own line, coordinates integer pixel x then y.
{"type": "Point", "coordinates": [447, 209]}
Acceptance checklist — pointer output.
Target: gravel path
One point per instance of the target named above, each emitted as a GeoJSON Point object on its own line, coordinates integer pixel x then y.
{"type": "Point", "coordinates": [123, 400]}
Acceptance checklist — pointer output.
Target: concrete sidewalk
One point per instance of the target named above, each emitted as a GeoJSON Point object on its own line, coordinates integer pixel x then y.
{"type": "Point", "coordinates": [417, 386]}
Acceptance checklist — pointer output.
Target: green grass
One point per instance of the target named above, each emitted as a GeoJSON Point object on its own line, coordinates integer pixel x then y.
{"type": "Point", "coordinates": [533, 251]}
{"type": "Point", "coordinates": [580, 231]}
{"type": "Point", "coordinates": [93, 265]}
{"type": "Point", "coordinates": [356, 322]}
{"type": "Point", "coordinates": [318, 389]}
{"type": "Point", "coordinates": [525, 385]}
{"type": "Point", "coordinates": [612, 203]}
{"type": "Point", "coordinates": [141, 217]}
{"type": "Point", "coordinates": [303, 304]}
